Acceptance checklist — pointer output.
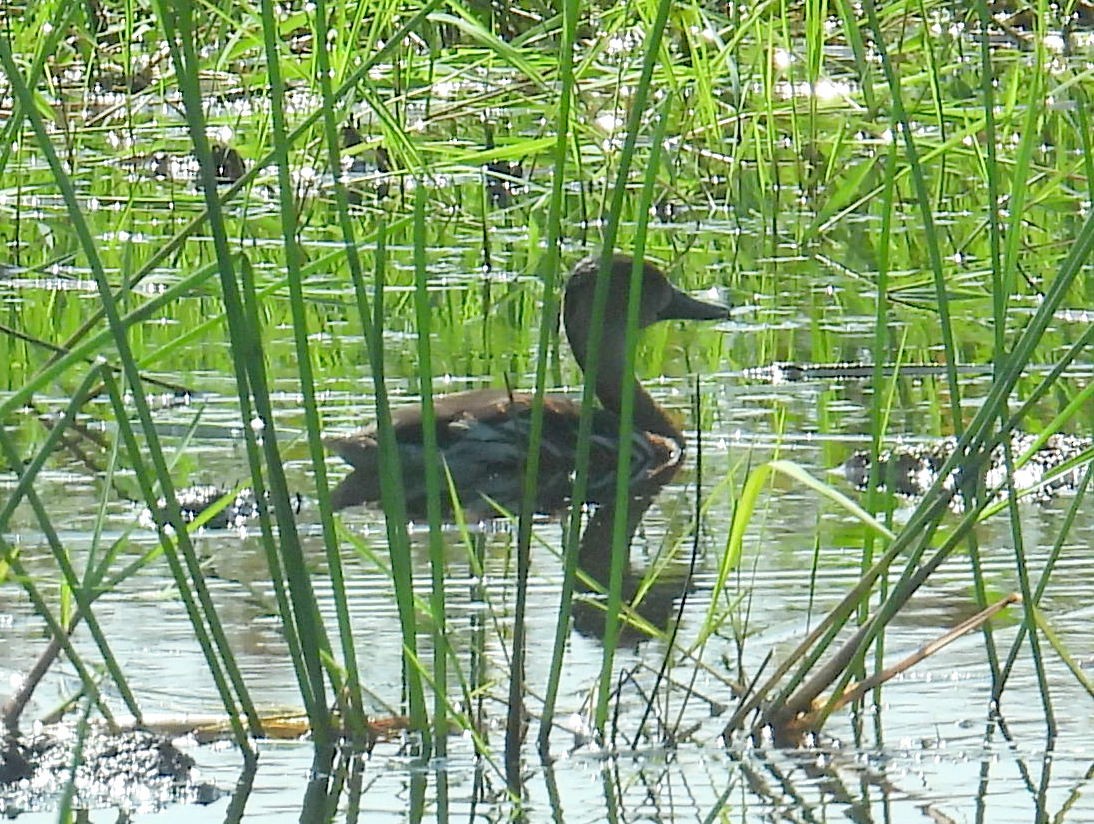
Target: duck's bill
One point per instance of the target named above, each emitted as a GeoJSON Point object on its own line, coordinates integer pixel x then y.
{"type": "Point", "coordinates": [685, 307]}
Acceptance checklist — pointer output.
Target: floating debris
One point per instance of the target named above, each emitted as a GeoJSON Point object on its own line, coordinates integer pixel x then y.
{"type": "Point", "coordinates": [782, 372]}
{"type": "Point", "coordinates": [910, 470]}
{"type": "Point", "coordinates": [133, 771]}
{"type": "Point", "coordinates": [228, 164]}
{"type": "Point", "coordinates": [194, 501]}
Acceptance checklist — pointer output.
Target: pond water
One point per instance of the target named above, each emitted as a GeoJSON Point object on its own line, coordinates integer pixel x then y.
{"type": "Point", "coordinates": [929, 747]}
{"type": "Point", "coordinates": [800, 268]}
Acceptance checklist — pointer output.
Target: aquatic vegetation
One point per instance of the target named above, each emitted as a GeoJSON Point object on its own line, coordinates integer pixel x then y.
{"type": "Point", "coordinates": [230, 234]}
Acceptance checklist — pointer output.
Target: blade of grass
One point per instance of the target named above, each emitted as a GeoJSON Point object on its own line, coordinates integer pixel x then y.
{"type": "Point", "coordinates": [933, 244]}
{"type": "Point", "coordinates": [614, 212]}
{"type": "Point", "coordinates": [299, 578]}
{"type": "Point", "coordinates": [620, 548]}
{"type": "Point", "coordinates": [433, 458]}
{"type": "Point", "coordinates": [548, 331]}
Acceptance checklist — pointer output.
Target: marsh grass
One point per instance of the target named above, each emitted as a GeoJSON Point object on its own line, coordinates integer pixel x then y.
{"type": "Point", "coordinates": [616, 118]}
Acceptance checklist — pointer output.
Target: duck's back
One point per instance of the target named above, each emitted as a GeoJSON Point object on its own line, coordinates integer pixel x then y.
{"type": "Point", "coordinates": [483, 438]}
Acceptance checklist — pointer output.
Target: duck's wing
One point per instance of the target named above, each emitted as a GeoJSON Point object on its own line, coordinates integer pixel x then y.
{"type": "Point", "coordinates": [478, 433]}
{"type": "Point", "coordinates": [451, 412]}
{"type": "Point", "coordinates": [454, 413]}
{"type": "Point", "coordinates": [483, 437]}
{"type": "Point", "coordinates": [488, 445]}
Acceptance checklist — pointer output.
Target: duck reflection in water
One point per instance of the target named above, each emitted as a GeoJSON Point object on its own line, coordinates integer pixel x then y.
{"type": "Point", "coordinates": [657, 598]}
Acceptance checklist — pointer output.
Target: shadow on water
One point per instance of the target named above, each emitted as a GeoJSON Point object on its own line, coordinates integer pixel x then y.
{"type": "Point", "coordinates": [659, 597]}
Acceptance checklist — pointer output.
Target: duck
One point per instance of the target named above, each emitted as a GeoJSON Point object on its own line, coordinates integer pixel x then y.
{"type": "Point", "coordinates": [482, 434]}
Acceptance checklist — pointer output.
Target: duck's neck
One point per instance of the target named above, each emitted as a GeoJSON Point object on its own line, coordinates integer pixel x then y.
{"type": "Point", "coordinates": [648, 416]}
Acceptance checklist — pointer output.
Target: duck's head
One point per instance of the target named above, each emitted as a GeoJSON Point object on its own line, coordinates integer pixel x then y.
{"type": "Point", "coordinates": [660, 300]}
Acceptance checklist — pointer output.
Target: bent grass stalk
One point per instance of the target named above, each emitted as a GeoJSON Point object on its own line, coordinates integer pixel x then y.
{"type": "Point", "coordinates": [125, 355]}
{"type": "Point", "coordinates": [932, 241]}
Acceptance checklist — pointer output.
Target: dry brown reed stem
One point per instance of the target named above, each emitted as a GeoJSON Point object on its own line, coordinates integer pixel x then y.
{"type": "Point", "coordinates": [856, 691]}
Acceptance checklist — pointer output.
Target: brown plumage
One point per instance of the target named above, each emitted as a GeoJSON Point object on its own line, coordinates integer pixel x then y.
{"type": "Point", "coordinates": [483, 435]}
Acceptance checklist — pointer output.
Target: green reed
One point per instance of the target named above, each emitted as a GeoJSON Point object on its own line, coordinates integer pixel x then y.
{"type": "Point", "coordinates": [68, 792]}
{"type": "Point", "coordinates": [620, 544]}
{"type": "Point", "coordinates": [548, 335]}
{"type": "Point", "coordinates": [432, 479]}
